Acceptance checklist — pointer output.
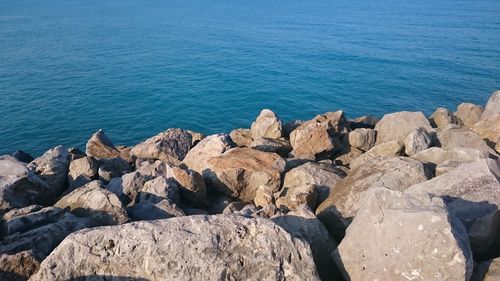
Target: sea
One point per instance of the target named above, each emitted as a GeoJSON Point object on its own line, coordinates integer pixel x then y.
{"type": "Point", "coordinates": [137, 67]}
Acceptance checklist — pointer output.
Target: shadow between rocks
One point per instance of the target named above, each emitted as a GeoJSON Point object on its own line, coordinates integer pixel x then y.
{"type": "Point", "coordinates": [107, 278]}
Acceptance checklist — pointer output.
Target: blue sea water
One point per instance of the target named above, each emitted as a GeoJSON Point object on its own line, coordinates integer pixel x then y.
{"type": "Point", "coordinates": [137, 67]}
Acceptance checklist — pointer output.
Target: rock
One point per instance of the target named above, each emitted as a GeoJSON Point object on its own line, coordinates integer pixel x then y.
{"type": "Point", "coordinates": [484, 236]}
{"type": "Point", "coordinates": [366, 121]}
{"type": "Point", "coordinates": [240, 171]}
{"type": "Point", "coordinates": [211, 146]}
{"type": "Point", "coordinates": [289, 126]}
{"type": "Point", "coordinates": [267, 125]}
{"type": "Point", "coordinates": [213, 247]}
{"type": "Point", "coordinates": [95, 202]}
{"type": "Point", "coordinates": [21, 212]}
{"type": "Point", "coordinates": [169, 146]}
{"type": "Point", "coordinates": [218, 202]}
{"type": "Point", "coordinates": [349, 155]}
{"type": "Point", "coordinates": [19, 266]}
{"type": "Point", "coordinates": [437, 155]}
{"type": "Point", "coordinates": [448, 165]}
{"type": "Point", "coordinates": [386, 149]}
{"type": "Point", "coordinates": [398, 237]}
{"type": "Point", "coordinates": [125, 153]}
{"type": "Point", "coordinates": [263, 196]}
{"type": "Point", "coordinates": [25, 222]}
{"type": "Point", "coordinates": [452, 137]}
{"type": "Point", "coordinates": [163, 209]}
{"type": "Point", "coordinates": [100, 146]}
{"type": "Point", "coordinates": [396, 126]}
{"type": "Point", "coordinates": [471, 192]}
{"type": "Point", "coordinates": [469, 114]}
{"type": "Point", "coordinates": [363, 138]}
{"type": "Point", "coordinates": [112, 168]}
{"type": "Point", "coordinates": [192, 185]}
{"type": "Point", "coordinates": [128, 186]}
{"type": "Point", "coordinates": [442, 118]}
{"type": "Point", "coordinates": [20, 187]}
{"type": "Point", "coordinates": [396, 173]}
{"type": "Point", "coordinates": [418, 139]}
{"type": "Point", "coordinates": [303, 224]}
{"type": "Point", "coordinates": [491, 271]}
{"type": "Point", "coordinates": [292, 198]}
{"type": "Point", "coordinates": [53, 167]}
{"type": "Point", "coordinates": [84, 166]}
{"type": "Point", "coordinates": [489, 129]}
{"type": "Point", "coordinates": [241, 137]}
{"type": "Point", "coordinates": [281, 146]}
{"type": "Point", "coordinates": [76, 153]}
{"type": "Point", "coordinates": [159, 189]}
{"type": "Point", "coordinates": [311, 139]}
{"type": "Point", "coordinates": [493, 106]}
{"type": "Point", "coordinates": [23, 156]}
{"type": "Point", "coordinates": [244, 209]}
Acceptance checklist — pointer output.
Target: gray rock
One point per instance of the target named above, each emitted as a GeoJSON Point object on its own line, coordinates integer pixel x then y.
{"type": "Point", "coordinates": [363, 138]}
{"type": "Point", "coordinates": [53, 167]}
{"type": "Point", "coordinates": [25, 222]}
{"type": "Point", "coordinates": [279, 146]}
{"type": "Point", "coordinates": [185, 248]}
{"type": "Point", "coordinates": [399, 237]}
{"type": "Point", "coordinates": [128, 186]}
{"type": "Point", "coordinates": [442, 118]}
{"type": "Point", "coordinates": [100, 146]}
{"type": "Point", "coordinates": [452, 137]}
{"type": "Point", "coordinates": [492, 108]}
{"type": "Point", "coordinates": [386, 149]}
{"type": "Point", "coordinates": [437, 155]}
{"type": "Point", "coordinates": [396, 126]}
{"type": "Point", "coordinates": [292, 198]}
{"type": "Point", "coordinates": [163, 209]}
{"type": "Point", "coordinates": [19, 266]}
{"type": "Point", "coordinates": [469, 114]}
{"type": "Point", "coordinates": [85, 166]}
{"type": "Point", "coordinates": [112, 168]}
{"type": "Point", "coordinates": [267, 125]}
{"type": "Point", "coordinates": [418, 139]}
{"type": "Point", "coordinates": [159, 189]}
{"type": "Point", "coordinates": [241, 137]}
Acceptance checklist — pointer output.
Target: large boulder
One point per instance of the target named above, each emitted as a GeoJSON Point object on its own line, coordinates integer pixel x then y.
{"type": "Point", "coordinates": [241, 137]}
{"type": "Point", "coordinates": [85, 167]}
{"type": "Point", "coordinates": [469, 114]}
{"type": "Point", "coordinates": [489, 129]}
{"type": "Point", "coordinates": [453, 136]}
{"type": "Point", "coordinates": [267, 125]}
{"type": "Point", "coordinates": [418, 140]}
{"type": "Point", "coordinates": [169, 146]}
{"type": "Point", "coordinates": [438, 155]}
{"type": "Point", "coordinates": [396, 126]}
{"type": "Point", "coordinates": [279, 146]}
{"type": "Point", "coordinates": [363, 138]}
{"type": "Point", "coordinates": [21, 187]}
{"type": "Point", "coordinates": [95, 202]}
{"type": "Point", "coordinates": [100, 146]}
{"type": "Point", "coordinates": [386, 149]}
{"type": "Point", "coordinates": [53, 167]}
{"type": "Point", "coordinates": [396, 173]}
{"type": "Point", "coordinates": [19, 266]}
{"type": "Point", "coordinates": [240, 171]}
{"type": "Point", "coordinates": [492, 107]}
{"type": "Point", "coordinates": [471, 192]}
{"type": "Point", "coordinates": [187, 248]}
{"type": "Point", "coordinates": [399, 237]}
{"type": "Point", "coordinates": [442, 118]}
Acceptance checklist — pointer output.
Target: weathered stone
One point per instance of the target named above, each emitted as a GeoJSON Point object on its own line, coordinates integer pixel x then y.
{"type": "Point", "coordinates": [437, 155]}
{"type": "Point", "coordinates": [240, 171]}
{"type": "Point", "coordinates": [386, 149]}
{"type": "Point", "coordinates": [192, 185]}
{"type": "Point", "coordinates": [112, 168]}
{"type": "Point", "coordinates": [469, 114]}
{"type": "Point", "coordinates": [163, 209]}
{"type": "Point", "coordinates": [267, 125]}
{"type": "Point", "coordinates": [471, 192]}
{"type": "Point", "coordinates": [23, 156]}
{"type": "Point", "coordinates": [289, 126]}
{"type": "Point", "coordinates": [19, 266]}
{"type": "Point", "coordinates": [417, 140]}
{"type": "Point", "coordinates": [303, 224]}
{"type": "Point", "coordinates": [100, 146]}
{"type": "Point", "coordinates": [492, 107]}
{"type": "Point", "coordinates": [279, 146]}
{"type": "Point", "coordinates": [20, 187]}
{"type": "Point", "coordinates": [241, 137]}
{"type": "Point", "coordinates": [311, 139]}
{"type": "Point", "coordinates": [128, 186]}
{"type": "Point", "coordinates": [452, 137]}
{"type": "Point", "coordinates": [448, 165]}
{"type": "Point", "coordinates": [396, 126]}
{"type": "Point", "coordinates": [95, 202]}
{"type": "Point", "coordinates": [169, 146]}
{"type": "Point", "coordinates": [292, 198]}
{"type": "Point", "coordinates": [399, 237]}
{"type": "Point", "coordinates": [396, 173]}
{"type": "Point", "coordinates": [244, 209]}
{"type": "Point", "coordinates": [53, 168]}
{"type": "Point", "coordinates": [348, 156]}
{"type": "Point", "coordinates": [85, 166]}
{"type": "Point", "coordinates": [363, 138]}
{"type": "Point", "coordinates": [28, 221]}
{"type": "Point", "coordinates": [489, 129]}
{"type": "Point", "coordinates": [159, 189]}
{"type": "Point", "coordinates": [263, 196]}
{"type": "Point", "coordinates": [227, 247]}
{"type": "Point", "coordinates": [442, 118]}
{"type": "Point", "coordinates": [366, 121]}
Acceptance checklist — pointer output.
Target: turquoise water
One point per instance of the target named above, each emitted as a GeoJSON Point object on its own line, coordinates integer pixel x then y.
{"type": "Point", "coordinates": [137, 67]}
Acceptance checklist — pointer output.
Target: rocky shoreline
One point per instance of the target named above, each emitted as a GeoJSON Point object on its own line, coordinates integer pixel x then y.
{"type": "Point", "coordinates": [406, 197]}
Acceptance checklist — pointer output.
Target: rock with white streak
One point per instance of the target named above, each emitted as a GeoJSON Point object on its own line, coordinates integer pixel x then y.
{"type": "Point", "coordinates": [267, 125]}
{"type": "Point", "coordinates": [100, 146]}
{"type": "Point", "coordinates": [418, 140]}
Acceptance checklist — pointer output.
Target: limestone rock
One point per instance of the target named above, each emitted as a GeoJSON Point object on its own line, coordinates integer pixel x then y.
{"type": "Point", "coordinates": [492, 108]}
{"type": "Point", "coordinates": [396, 173]}
{"type": "Point", "coordinates": [469, 114]}
{"type": "Point", "coordinates": [362, 138]}
{"type": "Point", "coordinates": [386, 149]}
{"type": "Point", "coordinates": [100, 146]}
{"type": "Point", "coordinates": [311, 139]}
{"type": "Point", "coordinates": [279, 146]}
{"type": "Point", "coordinates": [241, 137]}
{"type": "Point", "coordinates": [213, 247]}
{"type": "Point", "coordinates": [292, 198]}
{"type": "Point", "coordinates": [169, 146]}
{"type": "Point", "coordinates": [240, 171]}
{"type": "Point", "coordinates": [20, 187]}
{"type": "Point", "coordinates": [452, 137]}
{"type": "Point", "coordinates": [418, 139]}
{"type": "Point", "coordinates": [211, 146]}
{"type": "Point", "coordinates": [396, 126]}
{"type": "Point", "coordinates": [437, 155]}
{"type": "Point", "coordinates": [53, 168]}
{"type": "Point", "coordinates": [85, 166]}
{"type": "Point", "coordinates": [442, 118]}
{"type": "Point", "coordinates": [263, 196]}
{"type": "Point", "coordinates": [159, 189]}
{"type": "Point", "coordinates": [163, 209]}
{"type": "Point", "coordinates": [398, 237]}
{"type": "Point", "coordinates": [489, 129]}
{"type": "Point", "coordinates": [93, 201]}
{"type": "Point", "coordinates": [267, 125]}
{"type": "Point", "coordinates": [19, 266]}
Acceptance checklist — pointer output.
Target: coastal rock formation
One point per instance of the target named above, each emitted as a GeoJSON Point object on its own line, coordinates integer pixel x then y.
{"type": "Point", "coordinates": [85, 167]}
{"type": "Point", "coordinates": [363, 138]}
{"type": "Point", "coordinates": [100, 146]}
{"type": "Point", "coordinates": [469, 114]}
{"type": "Point", "coordinates": [418, 140]}
{"type": "Point", "coordinates": [279, 146]}
{"type": "Point", "coordinates": [267, 125]}
{"type": "Point", "coordinates": [442, 117]}
{"type": "Point", "coordinates": [241, 137]}
{"type": "Point", "coordinates": [211, 146]}
{"type": "Point", "coordinates": [386, 149]}
{"type": "Point", "coordinates": [212, 247]}
{"type": "Point", "coordinates": [396, 126]}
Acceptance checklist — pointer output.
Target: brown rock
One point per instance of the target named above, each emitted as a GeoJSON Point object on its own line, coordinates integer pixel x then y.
{"type": "Point", "coordinates": [469, 114]}
{"type": "Point", "coordinates": [267, 125]}
{"type": "Point", "coordinates": [100, 146]}
{"type": "Point", "coordinates": [396, 126]}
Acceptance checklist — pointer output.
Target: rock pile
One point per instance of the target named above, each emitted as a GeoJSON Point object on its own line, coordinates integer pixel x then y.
{"type": "Point", "coordinates": [406, 197]}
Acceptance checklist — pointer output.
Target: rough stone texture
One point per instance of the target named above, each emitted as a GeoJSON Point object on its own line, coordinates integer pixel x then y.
{"type": "Point", "coordinates": [366, 121]}
{"type": "Point", "coordinates": [84, 166]}
{"type": "Point", "coordinates": [159, 189]}
{"type": "Point", "coordinates": [100, 146]}
{"type": "Point", "coordinates": [186, 248]}
{"type": "Point", "coordinates": [469, 114]}
{"type": "Point", "coordinates": [112, 168]}
{"type": "Point", "coordinates": [386, 149]}
{"type": "Point", "coordinates": [53, 168]}
{"type": "Point", "coordinates": [292, 198]}
{"type": "Point", "coordinates": [490, 271]}
{"type": "Point", "coordinates": [19, 266]}
{"type": "Point", "coordinates": [489, 129]}
{"type": "Point", "coordinates": [323, 176]}
{"type": "Point", "coordinates": [452, 137]}
{"type": "Point", "coordinates": [128, 186]}
{"type": "Point", "coordinates": [442, 118]}
{"type": "Point", "coordinates": [95, 202]}
{"type": "Point", "coordinates": [349, 155]}
{"type": "Point", "coordinates": [267, 125]}
{"type": "Point", "coordinates": [418, 139]}
{"type": "Point", "coordinates": [240, 171]}
{"type": "Point", "coordinates": [27, 221]}
{"type": "Point", "coordinates": [241, 137]}
{"type": "Point", "coordinates": [163, 209]}
{"type": "Point", "coordinates": [263, 196]}
{"type": "Point", "coordinates": [303, 224]}
{"type": "Point", "coordinates": [20, 187]}
{"type": "Point", "coordinates": [169, 146]}
{"type": "Point", "coordinates": [191, 184]}
{"type": "Point", "coordinates": [291, 125]}
{"type": "Point", "coordinates": [279, 146]}
{"type": "Point", "coordinates": [448, 165]}
{"type": "Point", "coordinates": [471, 192]}
{"type": "Point", "coordinates": [437, 155]}
{"type": "Point", "coordinates": [396, 126]}
{"type": "Point", "coordinates": [363, 138]}
{"type": "Point", "coordinates": [398, 237]}
{"type": "Point", "coordinates": [396, 173]}
{"type": "Point", "coordinates": [492, 108]}
{"type": "Point", "coordinates": [211, 146]}
{"type": "Point", "coordinates": [311, 139]}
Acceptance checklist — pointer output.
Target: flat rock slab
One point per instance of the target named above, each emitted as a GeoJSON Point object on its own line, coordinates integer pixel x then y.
{"type": "Point", "coordinates": [223, 247]}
